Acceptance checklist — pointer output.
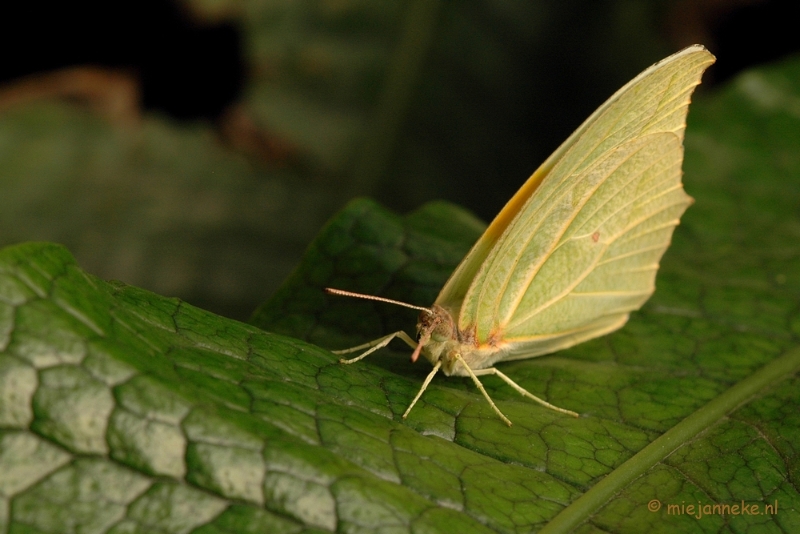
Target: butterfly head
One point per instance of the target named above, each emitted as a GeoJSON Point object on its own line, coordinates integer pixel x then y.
{"type": "Point", "coordinates": [437, 336]}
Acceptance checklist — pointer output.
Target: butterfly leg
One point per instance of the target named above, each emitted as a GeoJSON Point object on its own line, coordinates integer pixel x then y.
{"type": "Point", "coordinates": [522, 391]}
{"type": "Point", "coordinates": [424, 386]}
{"type": "Point", "coordinates": [472, 375]}
{"type": "Point", "coordinates": [375, 345]}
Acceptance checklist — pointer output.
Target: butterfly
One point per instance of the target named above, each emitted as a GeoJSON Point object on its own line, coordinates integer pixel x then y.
{"type": "Point", "coordinates": [576, 249]}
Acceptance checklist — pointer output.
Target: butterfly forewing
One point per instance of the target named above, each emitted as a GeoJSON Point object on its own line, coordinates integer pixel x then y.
{"type": "Point", "coordinates": [578, 247]}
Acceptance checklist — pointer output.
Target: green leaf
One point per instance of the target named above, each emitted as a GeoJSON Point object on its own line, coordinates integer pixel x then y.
{"type": "Point", "coordinates": [724, 317]}
{"type": "Point", "coordinates": [124, 411]}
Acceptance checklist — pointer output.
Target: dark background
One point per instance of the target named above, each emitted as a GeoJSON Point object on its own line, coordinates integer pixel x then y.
{"type": "Point", "coordinates": [325, 100]}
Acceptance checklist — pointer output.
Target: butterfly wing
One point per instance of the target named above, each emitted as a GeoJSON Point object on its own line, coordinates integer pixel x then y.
{"type": "Point", "coordinates": [577, 248]}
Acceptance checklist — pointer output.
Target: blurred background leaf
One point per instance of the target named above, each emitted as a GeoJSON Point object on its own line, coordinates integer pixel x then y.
{"type": "Point", "coordinates": [195, 147]}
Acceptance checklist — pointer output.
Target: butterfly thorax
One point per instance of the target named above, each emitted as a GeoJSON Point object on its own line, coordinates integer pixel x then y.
{"type": "Point", "coordinates": [442, 340]}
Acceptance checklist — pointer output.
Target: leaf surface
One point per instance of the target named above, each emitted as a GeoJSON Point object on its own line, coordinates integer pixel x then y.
{"type": "Point", "coordinates": [124, 411]}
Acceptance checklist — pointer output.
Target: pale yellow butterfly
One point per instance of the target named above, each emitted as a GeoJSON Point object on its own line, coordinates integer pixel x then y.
{"type": "Point", "coordinates": [577, 248]}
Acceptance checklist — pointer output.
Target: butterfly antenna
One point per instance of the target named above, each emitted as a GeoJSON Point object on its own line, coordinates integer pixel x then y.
{"type": "Point", "coordinates": [344, 293]}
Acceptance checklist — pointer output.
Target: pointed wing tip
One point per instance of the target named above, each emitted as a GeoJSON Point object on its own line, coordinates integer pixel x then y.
{"type": "Point", "coordinates": [697, 49]}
